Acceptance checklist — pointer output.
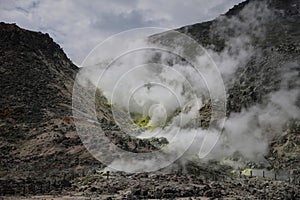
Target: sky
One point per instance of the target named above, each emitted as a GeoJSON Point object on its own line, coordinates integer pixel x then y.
{"type": "Point", "coordinates": [78, 25]}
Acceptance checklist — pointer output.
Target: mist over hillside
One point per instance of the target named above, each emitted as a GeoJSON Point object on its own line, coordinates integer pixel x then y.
{"type": "Point", "coordinates": [253, 93]}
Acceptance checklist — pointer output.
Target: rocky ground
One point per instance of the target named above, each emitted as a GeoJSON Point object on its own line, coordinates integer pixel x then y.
{"type": "Point", "coordinates": [160, 186]}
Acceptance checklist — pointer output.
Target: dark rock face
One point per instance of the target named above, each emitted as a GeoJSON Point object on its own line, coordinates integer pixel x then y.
{"type": "Point", "coordinates": [36, 128]}
{"type": "Point", "coordinates": [32, 92]}
{"type": "Point", "coordinates": [278, 48]}
{"type": "Point", "coordinates": [36, 76]}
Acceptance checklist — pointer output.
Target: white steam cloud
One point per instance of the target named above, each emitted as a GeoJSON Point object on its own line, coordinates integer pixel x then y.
{"type": "Point", "coordinates": [158, 84]}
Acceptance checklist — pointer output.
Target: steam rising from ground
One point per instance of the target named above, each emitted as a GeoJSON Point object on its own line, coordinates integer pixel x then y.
{"type": "Point", "coordinates": [162, 85]}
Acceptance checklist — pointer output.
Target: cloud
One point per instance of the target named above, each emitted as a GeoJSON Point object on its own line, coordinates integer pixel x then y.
{"type": "Point", "coordinates": [78, 26]}
{"type": "Point", "coordinates": [122, 21]}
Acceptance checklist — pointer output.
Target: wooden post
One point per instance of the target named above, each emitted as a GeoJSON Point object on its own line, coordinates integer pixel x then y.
{"type": "Point", "coordinates": [24, 189]}
{"type": "Point", "coordinates": [73, 174]}
{"type": "Point", "coordinates": [263, 173]}
{"type": "Point", "coordinates": [107, 174]}
{"type": "Point", "coordinates": [42, 187]}
{"type": "Point", "coordinates": [54, 184]}
{"type": "Point", "coordinates": [49, 186]}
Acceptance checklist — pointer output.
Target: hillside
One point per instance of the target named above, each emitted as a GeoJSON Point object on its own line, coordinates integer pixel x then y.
{"type": "Point", "coordinates": [39, 142]}
{"type": "Point", "coordinates": [267, 33]}
{"type": "Point", "coordinates": [274, 66]}
{"type": "Point", "coordinates": [37, 132]}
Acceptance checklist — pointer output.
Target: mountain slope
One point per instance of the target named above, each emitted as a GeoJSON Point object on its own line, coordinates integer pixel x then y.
{"type": "Point", "coordinates": [278, 46]}
{"type": "Point", "coordinates": [38, 138]}
{"type": "Point", "coordinates": [274, 66]}
{"type": "Point", "coordinates": [36, 91]}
